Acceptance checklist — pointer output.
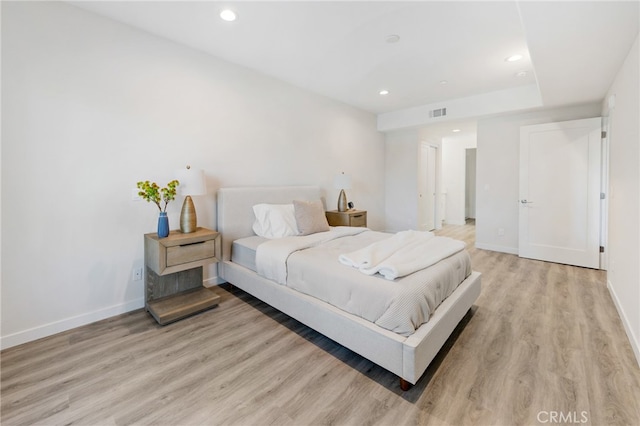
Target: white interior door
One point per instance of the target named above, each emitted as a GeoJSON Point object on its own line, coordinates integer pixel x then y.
{"type": "Point", "coordinates": [560, 173]}
{"type": "Point", "coordinates": [431, 188]}
{"type": "Point", "coordinates": [470, 184]}
{"type": "Point", "coordinates": [427, 188]}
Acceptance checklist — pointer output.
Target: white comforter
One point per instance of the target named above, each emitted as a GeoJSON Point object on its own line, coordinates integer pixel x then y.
{"type": "Point", "coordinates": [271, 256]}
{"type": "Point", "coordinates": [310, 265]}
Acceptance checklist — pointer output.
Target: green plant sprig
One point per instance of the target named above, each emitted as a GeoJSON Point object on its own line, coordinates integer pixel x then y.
{"type": "Point", "coordinates": [151, 192]}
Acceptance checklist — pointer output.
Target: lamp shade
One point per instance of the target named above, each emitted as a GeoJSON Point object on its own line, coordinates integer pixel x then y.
{"type": "Point", "coordinates": [342, 181]}
{"type": "Point", "coordinates": [192, 181]}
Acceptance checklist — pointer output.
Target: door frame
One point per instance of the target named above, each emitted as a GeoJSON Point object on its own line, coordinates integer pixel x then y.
{"type": "Point", "coordinates": [604, 199]}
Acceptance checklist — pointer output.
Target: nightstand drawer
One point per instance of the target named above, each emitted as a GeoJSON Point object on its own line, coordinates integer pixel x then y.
{"type": "Point", "coordinates": [348, 218]}
{"type": "Point", "coordinates": [179, 252]}
{"type": "Point", "coordinates": [190, 252]}
{"type": "Point", "coordinates": [359, 219]}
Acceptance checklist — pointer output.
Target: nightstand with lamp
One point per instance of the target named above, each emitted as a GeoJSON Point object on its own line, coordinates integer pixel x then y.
{"type": "Point", "coordinates": [174, 265]}
{"type": "Point", "coordinates": [345, 216]}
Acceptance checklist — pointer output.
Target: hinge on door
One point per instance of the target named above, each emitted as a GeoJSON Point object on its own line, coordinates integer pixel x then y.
{"type": "Point", "coordinates": [601, 249]}
{"type": "Point", "coordinates": [603, 134]}
{"type": "Point", "coordinates": [602, 196]}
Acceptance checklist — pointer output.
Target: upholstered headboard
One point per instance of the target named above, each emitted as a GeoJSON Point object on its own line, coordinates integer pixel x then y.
{"type": "Point", "coordinates": [235, 208]}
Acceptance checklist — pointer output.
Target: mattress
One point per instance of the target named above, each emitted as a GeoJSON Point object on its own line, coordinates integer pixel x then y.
{"type": "Point", "coordinates": [400, 306]}
{"type": "Point", "coordinates": [243, 251]}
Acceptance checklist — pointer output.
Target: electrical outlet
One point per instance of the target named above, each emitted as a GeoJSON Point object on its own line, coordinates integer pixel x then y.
{"type": "Point", "coordinates": [501, 232]}
{"type": "Point", "coordinates": [137, 274]}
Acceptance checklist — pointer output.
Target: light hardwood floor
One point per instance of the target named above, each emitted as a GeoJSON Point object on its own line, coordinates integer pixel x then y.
{"type": "Point", "coordinates": [542, 343]}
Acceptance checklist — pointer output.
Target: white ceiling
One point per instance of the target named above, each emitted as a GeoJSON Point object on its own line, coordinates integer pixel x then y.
{"type": "Point", "coordinates": [571, 50]}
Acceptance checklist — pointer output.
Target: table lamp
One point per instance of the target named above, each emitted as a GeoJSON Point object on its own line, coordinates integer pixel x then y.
{"type": "Point", "coordinates": [342, 182]}
{"type": "Point", "coordinates": [192, 182]}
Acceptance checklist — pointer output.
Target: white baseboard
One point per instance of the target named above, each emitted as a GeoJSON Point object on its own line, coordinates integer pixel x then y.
{"type": "Point", "coordinates": [56, 327]}
{"type": "Point", "coordinates": [501, 249]}
{"type": "Point", "coordinates": [635, 345]}
{"type": "Point", "coordinates": [213, 281]}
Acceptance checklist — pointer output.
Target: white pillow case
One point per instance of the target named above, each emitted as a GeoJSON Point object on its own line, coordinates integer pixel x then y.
{"type": "Point", "coordinates": [274, 220]}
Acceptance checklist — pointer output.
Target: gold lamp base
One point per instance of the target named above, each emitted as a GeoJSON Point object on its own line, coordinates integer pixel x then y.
{"type": "Point", "coordinates": [188, 218]}
{"type": "Point", "coordinates": [342, 201]}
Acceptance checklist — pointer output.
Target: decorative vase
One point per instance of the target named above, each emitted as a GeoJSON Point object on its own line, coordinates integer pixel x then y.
{"type": "Point", "coordinates": [163, 225]}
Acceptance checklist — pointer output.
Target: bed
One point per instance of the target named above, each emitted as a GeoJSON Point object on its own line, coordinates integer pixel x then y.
{"type": "Point", "coordinates": [406, 354]}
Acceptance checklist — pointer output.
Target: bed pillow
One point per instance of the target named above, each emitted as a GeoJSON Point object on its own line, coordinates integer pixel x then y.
{"type": "Point", "coordinates": [310, 217]}
{"type": "Point", "coordinates": [274, 220]}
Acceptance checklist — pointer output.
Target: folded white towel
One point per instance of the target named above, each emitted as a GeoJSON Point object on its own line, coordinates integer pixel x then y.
{"type": "Point", "coordinates": [402, 254]}
{"type": "Point", "coordinates": [416, 256]}
{"type": "Point", "coordinates": [374, 254]}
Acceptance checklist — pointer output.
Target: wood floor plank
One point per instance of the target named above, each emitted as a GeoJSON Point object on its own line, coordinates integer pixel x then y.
{"type": "Point", "coordinates": [541, 337]}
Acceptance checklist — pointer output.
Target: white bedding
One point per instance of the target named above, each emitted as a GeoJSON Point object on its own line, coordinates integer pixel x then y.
{"type": "Point", "coordinates": [310, 265]}
{"type": "Point", "coordinates": [271, 256]}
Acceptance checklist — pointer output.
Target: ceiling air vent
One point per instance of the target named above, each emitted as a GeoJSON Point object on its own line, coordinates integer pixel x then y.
{"type": "Point", "coordinates": [441, 112]}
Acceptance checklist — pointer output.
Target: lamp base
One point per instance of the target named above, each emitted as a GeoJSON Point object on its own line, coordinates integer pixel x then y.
{"type": "Point", "coordinates": [188, 218]}
{"type": "Point", "coordinates": [342, 201]}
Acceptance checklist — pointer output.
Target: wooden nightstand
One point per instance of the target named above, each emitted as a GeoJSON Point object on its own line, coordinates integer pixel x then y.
{"type": "Point", "coordinates": [348, 218]}
{"type": "Point", "coordinates": [173, 280]}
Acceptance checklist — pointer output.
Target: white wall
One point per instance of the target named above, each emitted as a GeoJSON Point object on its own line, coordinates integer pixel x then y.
{"type": "Point", "coordinates": [624, 195]}
{"type": "Point", "coordinates": [454, 159]}
{"type": "Point", "coordinates": [90, 107]}
{"type": "Point", "coordinates": [402, 153]}
{"type": "Point", "coordinates": [497, 166]}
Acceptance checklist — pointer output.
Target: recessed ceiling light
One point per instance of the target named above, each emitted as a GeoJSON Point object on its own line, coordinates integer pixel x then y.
{"type": "Point", "coordinates": [455, 130]}
{"type": "Point", "coordinates": [384, 92]}
{"type": "Point", "coordinates": [228, 15]}
{"type": "Point", "coordinates": [521, 74]}
{"type": "Point", "coordinates": [393, 38]}
{"type": "Point", "coordinates": [443, 82]}
{"type": "Point", "coordinates": [514, 58]}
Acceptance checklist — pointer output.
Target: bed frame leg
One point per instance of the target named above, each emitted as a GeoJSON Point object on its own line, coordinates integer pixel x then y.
{"type": "Point", "coordinates": [404, 385]}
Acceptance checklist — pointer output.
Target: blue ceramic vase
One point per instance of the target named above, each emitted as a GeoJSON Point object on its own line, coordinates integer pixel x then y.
{"type": "Point", "coordinates": [163, 225]}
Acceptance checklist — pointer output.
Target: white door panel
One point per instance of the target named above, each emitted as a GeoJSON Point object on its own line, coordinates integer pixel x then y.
{"type": "Point", "coordinates": [427, 188]}
{"type": "Point", "coordinates": [560, 192]}
{"type": "Point", "coordinates": [431, 189]}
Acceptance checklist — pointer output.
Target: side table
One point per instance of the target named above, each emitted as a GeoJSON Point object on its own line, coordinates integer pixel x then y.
{"type": "Point", "coordinates": [173, 273]}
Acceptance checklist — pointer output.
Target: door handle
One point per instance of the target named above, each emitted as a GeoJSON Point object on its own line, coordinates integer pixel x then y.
{"type": "Point", "coordinates": [526, 202]}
